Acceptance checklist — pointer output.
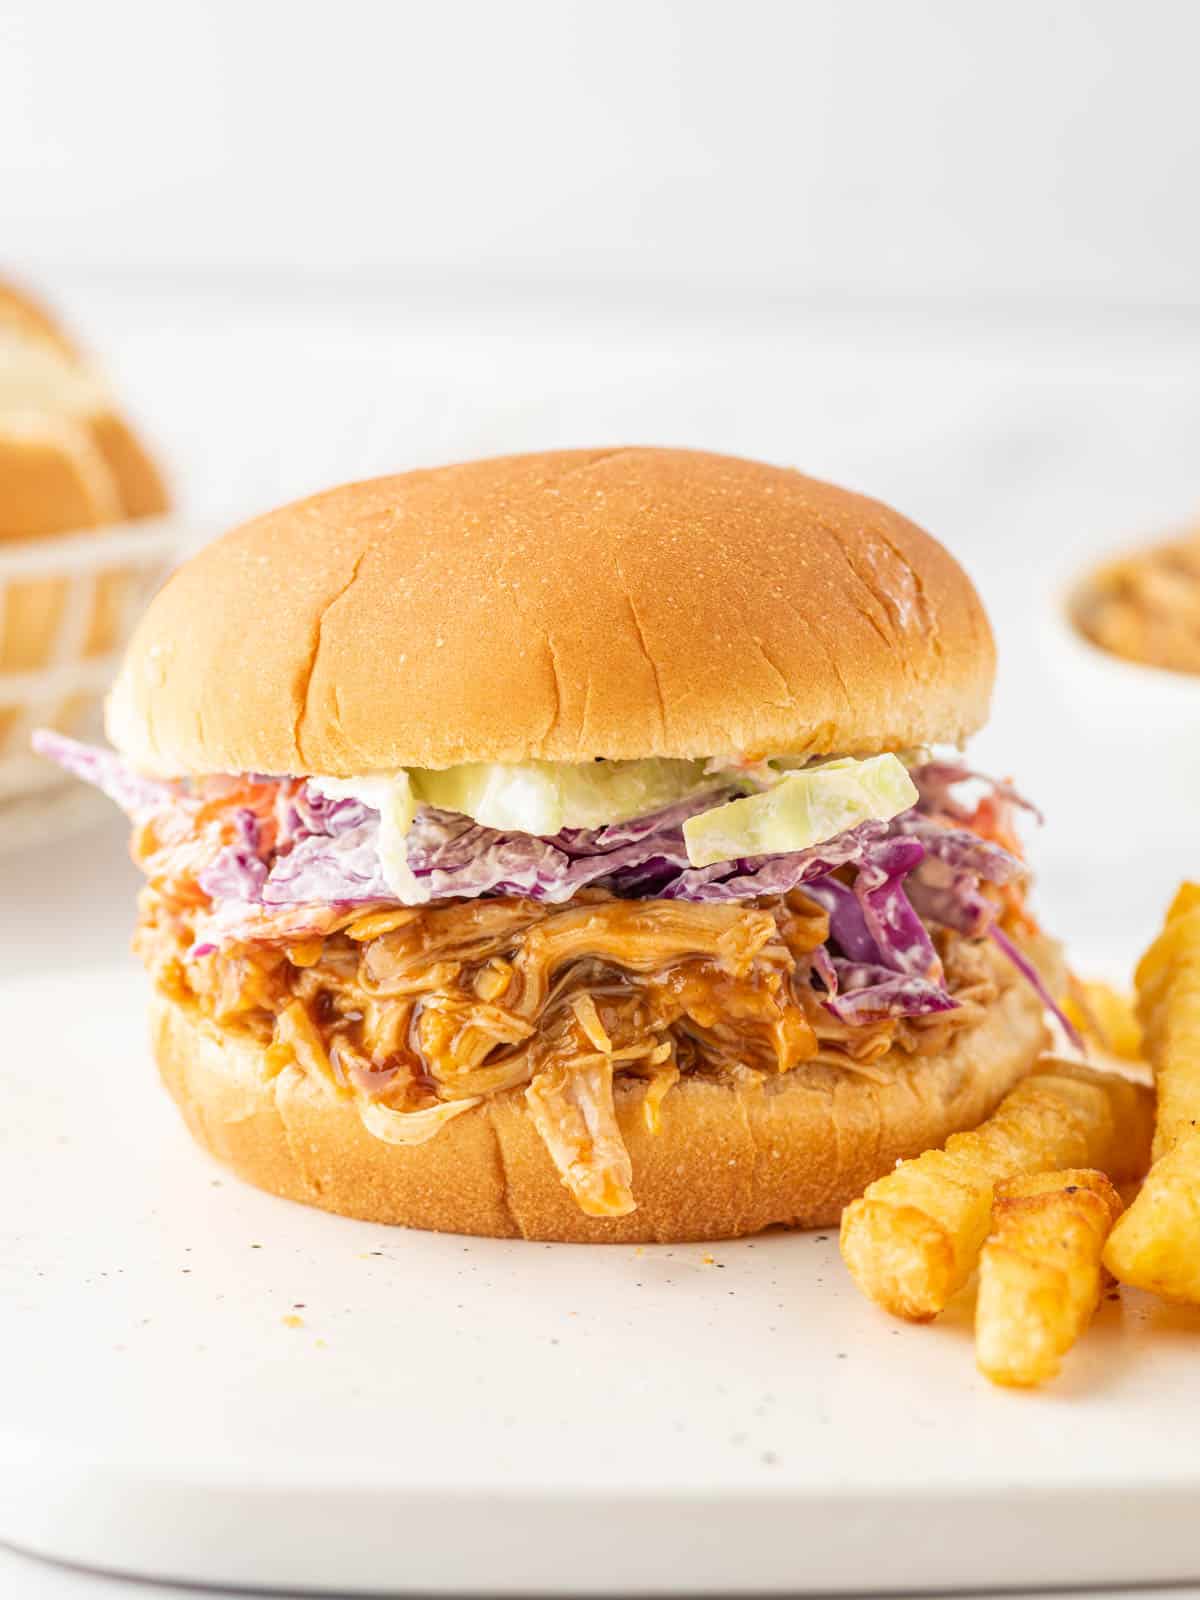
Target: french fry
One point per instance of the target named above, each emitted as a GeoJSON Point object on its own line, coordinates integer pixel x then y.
{"type": "Point", "coordinates": [1106, 1017]}
{"type": "Point", "coordinates": [1168, 992]}
{"type": "Point", "coordinates": [1039, 1272]}
{"type": "Point", "coordinates": [1156, 1244]}
{"type": "Point", "coordinates": [913, 1239]}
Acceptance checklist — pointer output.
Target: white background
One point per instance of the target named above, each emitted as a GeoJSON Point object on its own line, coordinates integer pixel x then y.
{"type": "Point", "coordinates": [915, 150]}
{"type": "Point", "coordinates": [945, 252]}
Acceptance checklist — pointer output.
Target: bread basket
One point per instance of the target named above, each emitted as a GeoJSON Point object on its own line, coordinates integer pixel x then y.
{"type": "Point", "coordinates": [85, 539]}
{"type": "Point", "coordinates": [68, 604]}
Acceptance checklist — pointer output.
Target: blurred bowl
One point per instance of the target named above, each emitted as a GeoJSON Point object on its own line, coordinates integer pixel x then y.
{"type": "Point", "coordinates": [68, 604]}
{"type": "Point", "coordinates": [1137, 729]}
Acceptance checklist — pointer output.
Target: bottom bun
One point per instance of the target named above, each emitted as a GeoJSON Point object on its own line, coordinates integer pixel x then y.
{"type": "Point", "coordinates": [727, 1161]}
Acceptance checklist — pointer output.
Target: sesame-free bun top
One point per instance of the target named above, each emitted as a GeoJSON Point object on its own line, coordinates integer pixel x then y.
{"type": "Point", "coordinates": [565, 606]}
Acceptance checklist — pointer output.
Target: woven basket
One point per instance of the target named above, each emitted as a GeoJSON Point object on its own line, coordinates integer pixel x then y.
{"type": "Point", "coordinates": [67, 607]}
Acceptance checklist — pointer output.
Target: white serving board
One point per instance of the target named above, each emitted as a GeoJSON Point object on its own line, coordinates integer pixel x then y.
{"type": "Point", "coordinates": [469, 1415]}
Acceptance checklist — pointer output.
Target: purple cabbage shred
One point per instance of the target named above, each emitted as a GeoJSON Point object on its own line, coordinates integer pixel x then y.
{"type": "Point", "coordinates": [883, 884]}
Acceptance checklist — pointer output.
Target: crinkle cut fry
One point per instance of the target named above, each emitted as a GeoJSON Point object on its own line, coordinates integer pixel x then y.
{"type": "Point", "coordinates": [1156, 1244]}
{"type": "Point", "coordinates": [1040, 1276]}
{"type": "Point", "coordinates": [913, 1239]}
{"type": "Point", "coordinates": [1168, 1003]}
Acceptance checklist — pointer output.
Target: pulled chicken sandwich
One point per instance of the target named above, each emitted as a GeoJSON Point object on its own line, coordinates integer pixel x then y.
{"type": "Point", "coordinates": [552, 846]}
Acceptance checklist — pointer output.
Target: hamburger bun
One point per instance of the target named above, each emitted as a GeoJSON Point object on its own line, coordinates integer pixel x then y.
{"type": "Point", "coordinates": [69, 463]}
{"type": "Point", "coordinates": [54, 477]}
{"type": "Point", "coordinates": [727, 1161]}
{"type": "Point", "coordinates": [579, 604]}
{"type": "Point", "coordinates": [21, 312]}
{"type": "Point", "coordinates": [52, 402]}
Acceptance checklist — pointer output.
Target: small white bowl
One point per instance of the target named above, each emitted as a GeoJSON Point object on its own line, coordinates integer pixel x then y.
{"type": "Point", "coordinates": [1137, 727]}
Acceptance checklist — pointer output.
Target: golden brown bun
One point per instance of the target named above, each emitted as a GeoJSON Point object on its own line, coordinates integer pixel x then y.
{"type": "Point", "coordinates": [22, 311]}
{"type": "Point", "coordinates": [68, 460]}
{"type": "Point", "coordinates": [139, 482]}
{"type": "Point", "coordinates": [68, 463]}
{"type": "Point", "coordinates": [615, 603]}
{"type": "Point", "coordinates": [726, 1161]}
{"type": "Point", "coordinates": [52, 478]}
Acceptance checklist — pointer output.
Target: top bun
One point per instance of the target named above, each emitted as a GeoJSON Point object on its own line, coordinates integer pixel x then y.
{"type": "Point", "coordinates": [565, 606]}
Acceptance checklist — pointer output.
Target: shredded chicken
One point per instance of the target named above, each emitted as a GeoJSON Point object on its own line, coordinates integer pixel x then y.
{"type": "Point", "coordinates": [416, 1015]}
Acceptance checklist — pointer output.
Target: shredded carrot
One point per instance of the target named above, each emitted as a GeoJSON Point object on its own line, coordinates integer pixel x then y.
{"type": "Point", "coordinates": [173, 850]}
{"type": "Point", "coordinates": [992, 820]}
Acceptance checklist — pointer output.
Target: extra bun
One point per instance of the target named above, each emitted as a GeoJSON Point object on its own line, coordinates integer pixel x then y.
{"type": "Point", "coordinates": [68, 459]}
{"type": "Point", "coordinates": [727, 1161]}
{"type": "Point", "coordinates": [69, 464]}
{"type": "Point", "coordinates": [615, 603]}
{"type": "Point", "coordinates": [21, 312]}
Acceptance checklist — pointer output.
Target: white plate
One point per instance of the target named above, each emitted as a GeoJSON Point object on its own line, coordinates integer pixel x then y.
{"type": "Point", "coordinates": [454, 1414]}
